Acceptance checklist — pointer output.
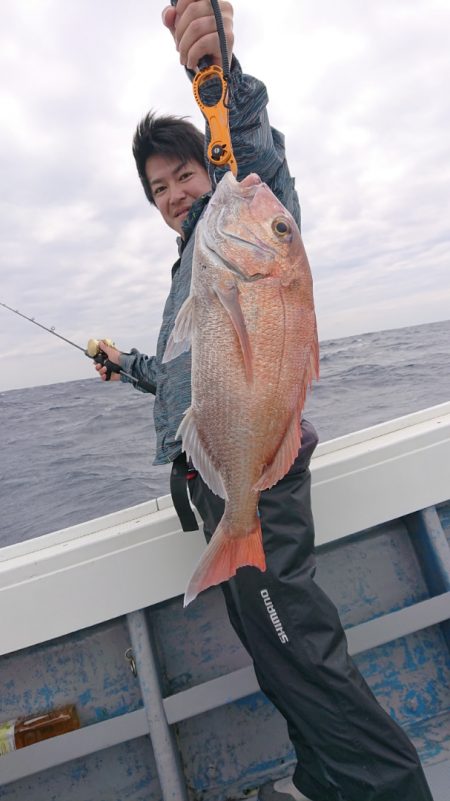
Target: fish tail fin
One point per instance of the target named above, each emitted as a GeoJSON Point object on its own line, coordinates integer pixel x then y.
{"type": "Point", "coordinates": [223, 556]}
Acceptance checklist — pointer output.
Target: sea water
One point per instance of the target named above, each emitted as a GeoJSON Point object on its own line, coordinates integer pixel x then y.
{"type": "Point", "coordinates": [76, 450]}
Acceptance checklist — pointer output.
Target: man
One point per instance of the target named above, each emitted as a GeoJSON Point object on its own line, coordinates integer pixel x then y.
{"type": "Point", "coordinates": [348, 748]}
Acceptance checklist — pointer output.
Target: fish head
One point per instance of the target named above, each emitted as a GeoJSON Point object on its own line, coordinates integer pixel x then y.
{"type": "Point", "coordinates": [249, 232]}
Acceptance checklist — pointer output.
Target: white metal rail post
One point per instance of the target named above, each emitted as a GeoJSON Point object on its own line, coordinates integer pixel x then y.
{"type": "Point", "coordinates": [167, 758]}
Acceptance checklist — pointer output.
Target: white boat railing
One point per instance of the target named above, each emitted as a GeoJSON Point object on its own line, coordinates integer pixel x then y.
{"type": "Point", "coordinates": [98, 570]}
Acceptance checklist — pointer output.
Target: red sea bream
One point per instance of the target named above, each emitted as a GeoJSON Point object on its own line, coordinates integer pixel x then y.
{"type": "Point", "coordinates": [251, 324]}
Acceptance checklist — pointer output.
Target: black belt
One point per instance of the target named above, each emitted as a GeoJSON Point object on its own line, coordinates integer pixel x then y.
{"type": "Point", "coordinates": [181, 473]}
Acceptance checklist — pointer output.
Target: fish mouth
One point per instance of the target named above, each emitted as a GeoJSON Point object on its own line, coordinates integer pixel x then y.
{"type": "Point", "coordinates": [244, 190]}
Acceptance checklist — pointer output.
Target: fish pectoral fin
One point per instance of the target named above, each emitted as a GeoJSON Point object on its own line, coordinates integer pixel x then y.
{"type": "Point", "coordinates": [284, 456]}
{"type": "Point", "coordinates": [195, 450]}
{"type": "Point", "coordinates": [229, 299]}
{"type": "Point", "coordinates": [180, 337]}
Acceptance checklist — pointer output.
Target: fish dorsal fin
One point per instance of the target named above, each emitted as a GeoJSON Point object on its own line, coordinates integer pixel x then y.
{"type": "Point", "coordinates": [195, 450]}
{"type": "Point", "coordinates": [314, 357]}
{"type": "Point", "coordinates": [229, 298]}
{"type": "Point", "coordinates": [180, 337]}
{"type": "Point", "coordinates": [312, 368]}
{"type": "Point", "coordinates": [284, 456]}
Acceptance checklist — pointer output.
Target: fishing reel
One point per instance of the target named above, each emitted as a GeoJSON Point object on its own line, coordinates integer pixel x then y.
{"type": "Point", "coordinates": [95, 352]}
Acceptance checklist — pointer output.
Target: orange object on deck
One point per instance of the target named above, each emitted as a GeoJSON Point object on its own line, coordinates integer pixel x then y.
{"type": "Point", "coordinates": [26, 731]}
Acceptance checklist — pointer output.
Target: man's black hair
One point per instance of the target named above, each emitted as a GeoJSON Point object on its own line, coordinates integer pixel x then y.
{"type": "Point", "coordinates": [166, 136]}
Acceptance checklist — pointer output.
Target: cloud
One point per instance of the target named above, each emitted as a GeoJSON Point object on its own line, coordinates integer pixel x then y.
{"type": "Point", "coordinates": [360, 92]}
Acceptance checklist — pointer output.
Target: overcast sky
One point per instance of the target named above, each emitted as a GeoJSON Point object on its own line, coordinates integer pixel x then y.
{"type": "Point", "coordinates": [359, 88]}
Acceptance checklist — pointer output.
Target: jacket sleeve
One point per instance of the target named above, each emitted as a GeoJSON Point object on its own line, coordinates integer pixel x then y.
{"type": "Point", "coordinates": [140, 366]}
{"type": "Point", "coordinates": [257, 146]}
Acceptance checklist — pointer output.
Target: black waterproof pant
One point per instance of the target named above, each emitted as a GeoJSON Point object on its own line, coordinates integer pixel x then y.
{"type": "Point", "coordinates": [348, 748]}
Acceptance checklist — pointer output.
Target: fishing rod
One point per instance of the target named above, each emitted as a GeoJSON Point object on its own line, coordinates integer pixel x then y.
{"type": "Point", "coordinates": [93, 351]}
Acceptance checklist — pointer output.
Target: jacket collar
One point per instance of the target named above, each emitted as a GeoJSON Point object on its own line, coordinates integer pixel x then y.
{"type": "Point", "coordinates": [191, 220]}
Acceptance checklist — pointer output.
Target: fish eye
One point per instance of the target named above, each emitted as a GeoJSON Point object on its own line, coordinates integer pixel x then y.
{"type": "Point", "coordinates": [280, 227]}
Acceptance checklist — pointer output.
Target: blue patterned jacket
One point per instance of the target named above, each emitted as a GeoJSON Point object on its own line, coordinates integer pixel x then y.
{"type": "Point", "coordinates": [257, 148]}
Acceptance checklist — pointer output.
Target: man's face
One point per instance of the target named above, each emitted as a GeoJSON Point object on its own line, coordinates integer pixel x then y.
{"type": "Point", "coordinates": [175, 185]}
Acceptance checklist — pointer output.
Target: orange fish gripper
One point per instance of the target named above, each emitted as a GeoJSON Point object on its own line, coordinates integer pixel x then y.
{"type": "Point", "coordinates": [220, 151]}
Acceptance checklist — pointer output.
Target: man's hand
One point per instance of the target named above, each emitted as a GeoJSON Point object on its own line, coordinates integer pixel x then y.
{"type": "Point", "coordinates": [193, 26]}
{"type": "Point", "coordinates": [113, 355]}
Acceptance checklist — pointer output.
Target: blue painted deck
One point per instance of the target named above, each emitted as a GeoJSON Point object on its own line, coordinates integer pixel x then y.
{"type": "Point", "coordinates": [228, 751]}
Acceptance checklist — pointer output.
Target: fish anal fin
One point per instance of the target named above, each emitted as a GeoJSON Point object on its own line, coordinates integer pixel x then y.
{"type": "Point", "coordinates": [196, 451]}
{"type": "Point", "coordinates": [283, 458]}
{"type": "Point", "coordinates": [223, 556]}
{"type": "Point", "coordinates": [180, 337]}
{"type": "Point", "coordinates": [229, 298]}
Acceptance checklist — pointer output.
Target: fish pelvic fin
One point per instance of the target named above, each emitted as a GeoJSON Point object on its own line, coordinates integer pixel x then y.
{"type": "Point", "coordinates": [229, 298]}
{"type": "Point", "coordinates": [194, 448]}
{"type": "Point", "coordinates": [181, 335]}
{"type": "Point", "coordinates": [223, 556]}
